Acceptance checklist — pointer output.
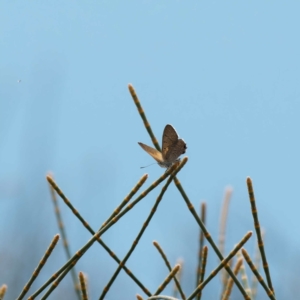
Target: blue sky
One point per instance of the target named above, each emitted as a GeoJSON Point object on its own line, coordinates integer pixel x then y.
{"type": "Point", "coordinates": [224, 74]}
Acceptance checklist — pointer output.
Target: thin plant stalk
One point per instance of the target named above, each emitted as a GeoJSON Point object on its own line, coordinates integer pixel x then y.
{"type": "Point", "coordinates": [178, 277]}
{"type": "Point", "coordinates": [167, 280]}
{"type": "Point", "coordinates": [143, 116]}
{"type": "Point", "coordinates": [258, 233]}
{"type": "Point", "coordinates": [201, 243]}
{"type": "Point", "coordinates": [39, 267]}
{"type": "Point", "coordinates": [203, 267]}
{"type": "Point", "coordinates": [82, 280]}
{"type": "Point", "coordinates": [164, 257]}
{"type": "Point", "coordinates": [127, 198]}
{"type": "Point", "coordinates": [257, 260]}
{"type": "Point", "coordinates": [86, 225]}
{"type": "Point", "coordinates": [269, 292]}
{"type": "Point", "coordinates": [136, 241]}
{"type": "Point", "coordinates": [57, 281]}
{"type": "Point", "coordinates": [221, 265]}
{"type": "Point", "coordinates": [64, 238]}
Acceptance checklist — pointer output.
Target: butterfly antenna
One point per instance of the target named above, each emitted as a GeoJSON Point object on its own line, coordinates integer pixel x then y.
{"type": "Point", "coordinates": [148, 165]}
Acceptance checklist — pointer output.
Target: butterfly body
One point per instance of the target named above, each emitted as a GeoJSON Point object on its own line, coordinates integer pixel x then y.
{"type": "Point", "coordinates": [172, 148]}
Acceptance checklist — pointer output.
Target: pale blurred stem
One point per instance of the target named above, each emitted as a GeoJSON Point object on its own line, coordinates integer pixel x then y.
{"type": "Point", "coordinates": [161, 297]}
{"type": "Point", "coordinates": [222, 235]}
{"type": "Point", "coordinates": [181, 190]}
{"type": "Point", "coordinates": [244, 276]}
{"type": "Point", "coordinates": [178, 277]}
{"type": "Point", "coordinates": [3, 289]}
{"type": "Point", "coordinates": [227, 292]}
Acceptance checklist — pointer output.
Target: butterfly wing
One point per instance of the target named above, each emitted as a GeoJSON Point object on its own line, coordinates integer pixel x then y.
{"type": "Point", "coordinates": [172, 147]}
{"type": "Point", "coordinates": [153, 152]}
{"type": "Point", "coordinates": [177, 149]}
{"type": "Point", "coordinates": [169, 139]}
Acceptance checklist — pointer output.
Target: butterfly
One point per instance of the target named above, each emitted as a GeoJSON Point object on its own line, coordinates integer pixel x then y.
{"type": "Point", "coordinates": [172, 148]}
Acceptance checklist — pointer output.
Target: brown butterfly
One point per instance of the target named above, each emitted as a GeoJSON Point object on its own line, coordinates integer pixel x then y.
{"type": "Point", "coordinates": [172, 148]}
